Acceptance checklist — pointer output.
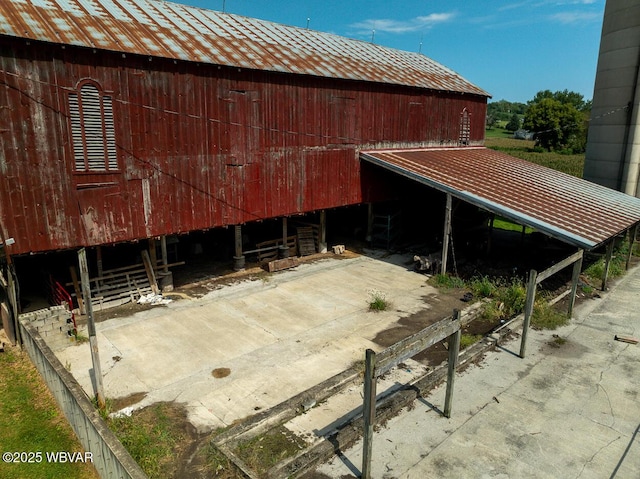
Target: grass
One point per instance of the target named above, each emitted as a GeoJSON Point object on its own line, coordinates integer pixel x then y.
{"type": "Point", "coordinates": [30, 421]}
{"type": "Point", "coordinates": [446, 281]}
{"type": "Point", "coordinates": [503, 224]}
{"type": "Point", "coordinates": [595, 270]}
{"type": "Point", "coordinates": [378, 301]}
{"type": "Point", "coordinates": [263, 452]}
{"type": "Point", "coordinates": [467, 340]}
{"type": "Point", "coordinates": [545, 316]}
{"type": "Point", "coordinates": [151, 436]}
{"type": "Point", "coordinates": [219, 464]}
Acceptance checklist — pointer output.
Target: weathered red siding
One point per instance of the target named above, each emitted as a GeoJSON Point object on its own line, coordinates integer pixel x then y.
{"type": "Point", "coordinates": [198, 145]}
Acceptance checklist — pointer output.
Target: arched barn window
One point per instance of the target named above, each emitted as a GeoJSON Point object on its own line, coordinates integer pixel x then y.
{"type": "Point", "coordinates": [465, 128]}
{"type": "Point", "coordinates": [92, 129]}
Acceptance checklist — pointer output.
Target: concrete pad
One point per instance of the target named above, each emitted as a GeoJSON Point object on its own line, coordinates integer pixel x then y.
{"type": "Point", "coordinates": [566, 410]}
{"type": "Point", "coordinates": [278, 336]}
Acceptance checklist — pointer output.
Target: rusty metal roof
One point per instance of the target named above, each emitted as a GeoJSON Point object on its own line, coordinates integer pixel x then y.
{"type": "Point", "coordinates": [571, 209]}
{"type": "Point", "coordinates": [162, 29]}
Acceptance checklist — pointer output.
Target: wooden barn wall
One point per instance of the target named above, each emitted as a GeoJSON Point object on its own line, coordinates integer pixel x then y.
{"type": "Point", "coordinates": [199, 146]}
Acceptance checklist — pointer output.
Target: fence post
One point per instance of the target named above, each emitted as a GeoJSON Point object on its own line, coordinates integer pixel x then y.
{"type": "Point", "coordinates": [607, 263]}
{"type": "Point", "coordinates": [632, 238]}
{"type": "Point", "coordinates": [454, 351]}
{"type": "Point", "coordinates": [528, 309]}
{"type": "Point", "coordinates": [446, 235]}
{"type": "Point", "coordinates": [93, 340]}
{"type": "Point", "coordinates": [369, 411]}
{"type": "Point", "coordinates": [575, 278]}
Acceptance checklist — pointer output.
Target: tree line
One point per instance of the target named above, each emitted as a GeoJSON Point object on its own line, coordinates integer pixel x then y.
{"type": "Point", "coordinates": [558, 120]}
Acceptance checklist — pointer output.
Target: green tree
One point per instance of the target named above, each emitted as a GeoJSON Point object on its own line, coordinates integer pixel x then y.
{"type": "Point", "coordinates": [514, 123]}
{"type": "Point", "coordinates": [565, 97]}
{"type": "Point", "coordinates": [556, 125]}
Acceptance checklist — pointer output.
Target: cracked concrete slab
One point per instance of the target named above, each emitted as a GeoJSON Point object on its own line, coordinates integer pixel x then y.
{"type": "Point", "coordinates": [277, 336]}
{"type": "Point", "coordinates": [566, 410]}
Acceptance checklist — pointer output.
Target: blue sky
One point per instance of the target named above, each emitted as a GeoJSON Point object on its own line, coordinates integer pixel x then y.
{"type": "Point", "coordinates": [512, 49]}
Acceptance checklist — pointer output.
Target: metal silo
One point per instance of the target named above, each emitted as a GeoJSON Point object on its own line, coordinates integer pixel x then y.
{"type": "Point", "coordinates": [613, 149]}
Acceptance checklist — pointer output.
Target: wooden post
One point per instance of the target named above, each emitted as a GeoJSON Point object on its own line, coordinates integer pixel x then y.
{"type": "Point", "coordinates": [238, 240]}
{"type": "Point", "coordinates": [575, 279]}
{"type": "Point", "coordinates": [238, 258]}
{"type": "Point", "coordinates": [99, 264]}
{"type": "Point", "coordinates": [76, 287]}
{"type": "Point", "coordinates": [322, 234]}
{"type": "Point", "coordinates": [369, 237]}
{"type": "Point", "coordinates": [607, 263]}
{"type": "Point", "coordinates": [447, 235]}
{"type": "Point", "coordinates": [284, 230]}
{"type": "Point", "coordinates": [528, 309]}
{"type": "Point", "coordinates": [93, 340]}
{"type": "Point", "coordinates": [369, 411]}
{"type": "Point", "coordinates": [14, 301]}
{"type": "Point", "coordinates": [632, 237]}
{"type": "Point", "coordinates": [153, 254]}
{"type": "Point", "coordinates": [150, 273]}
{"type": "Point", "coordinates": [163, 252]}
{"type": "Point", "coordinates": [454, 351]}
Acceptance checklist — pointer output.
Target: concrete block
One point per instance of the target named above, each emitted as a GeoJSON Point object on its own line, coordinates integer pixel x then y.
{"type": "Point", "coordinates": [338, 249]}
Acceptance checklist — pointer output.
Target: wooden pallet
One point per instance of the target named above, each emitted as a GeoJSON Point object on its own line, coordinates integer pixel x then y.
{"type": "Point", "coordinates": [306, 241]}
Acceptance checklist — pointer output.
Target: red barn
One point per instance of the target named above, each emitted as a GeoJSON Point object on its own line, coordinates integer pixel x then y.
{"type": "Point", "coordinates": [137, 119]}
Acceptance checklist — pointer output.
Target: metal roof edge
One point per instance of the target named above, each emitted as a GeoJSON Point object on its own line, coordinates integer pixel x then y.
{"type": "Point", "coordinates": [508, 213]}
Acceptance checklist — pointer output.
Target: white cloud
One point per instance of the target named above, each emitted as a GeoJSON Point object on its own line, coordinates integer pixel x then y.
{"type": "Point", "coordinates": [401, 26]}
{"type": "Point", "coordinates": [575, 17]}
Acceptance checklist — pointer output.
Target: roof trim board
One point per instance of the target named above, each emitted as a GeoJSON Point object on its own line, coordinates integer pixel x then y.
{"type": "Point", "coordinates": [571, 209]}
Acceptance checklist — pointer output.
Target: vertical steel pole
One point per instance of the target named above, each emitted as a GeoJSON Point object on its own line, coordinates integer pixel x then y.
{"type": "Point", "coordinates": [369, 411]}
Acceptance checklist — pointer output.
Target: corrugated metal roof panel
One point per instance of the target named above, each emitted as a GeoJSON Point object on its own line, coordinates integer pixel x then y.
{"type": "Point", "coordinates": [571, 209]}
{"type": "Point", "coordinates": [159, 28]}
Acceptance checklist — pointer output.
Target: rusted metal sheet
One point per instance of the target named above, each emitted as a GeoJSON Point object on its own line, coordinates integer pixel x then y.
{"type": "Point", "coordinates": [198, 146]}
{"type": "Point", "coordinates": [571, 209]}
{"type": "Point", "coordinates": [169, 30]}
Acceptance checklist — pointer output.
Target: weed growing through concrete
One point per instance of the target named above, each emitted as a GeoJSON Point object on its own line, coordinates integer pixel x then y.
{"type": "Point", "coordinates": [545, 316]}
{"type": "Point", "coordinates": [377, 300]}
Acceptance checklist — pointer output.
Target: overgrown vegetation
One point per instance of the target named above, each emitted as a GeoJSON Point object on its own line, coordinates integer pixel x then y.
{"type": "Point", "coordinates": [152, 437]}
{"type": "Point", "coordinates": [263, 452]}
{"type": "Point", "coordinates": [30, 421]}
{"type": "Point", "coordinates": [467, 340]}
{"type": "Point", "coordinates": [447, 281]}
{"type": "Point", "coordinates": [546, 316]}
{"type": "Point", "coordinates": [594, 272]}
{"type": "Point", "coordinates": [377, 301]}
{"type": "Point", "coordinates": [219, 464]}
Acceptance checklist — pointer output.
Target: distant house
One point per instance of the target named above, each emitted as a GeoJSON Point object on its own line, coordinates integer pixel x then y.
{"type": "Point", "coordinates": [523, 134]}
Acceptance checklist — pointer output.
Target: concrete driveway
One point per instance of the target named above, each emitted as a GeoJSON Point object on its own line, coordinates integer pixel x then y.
{"type": "Point", "coordinates": [275, 337]}
{"type": "Point", "coordinates": [570, 409]}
